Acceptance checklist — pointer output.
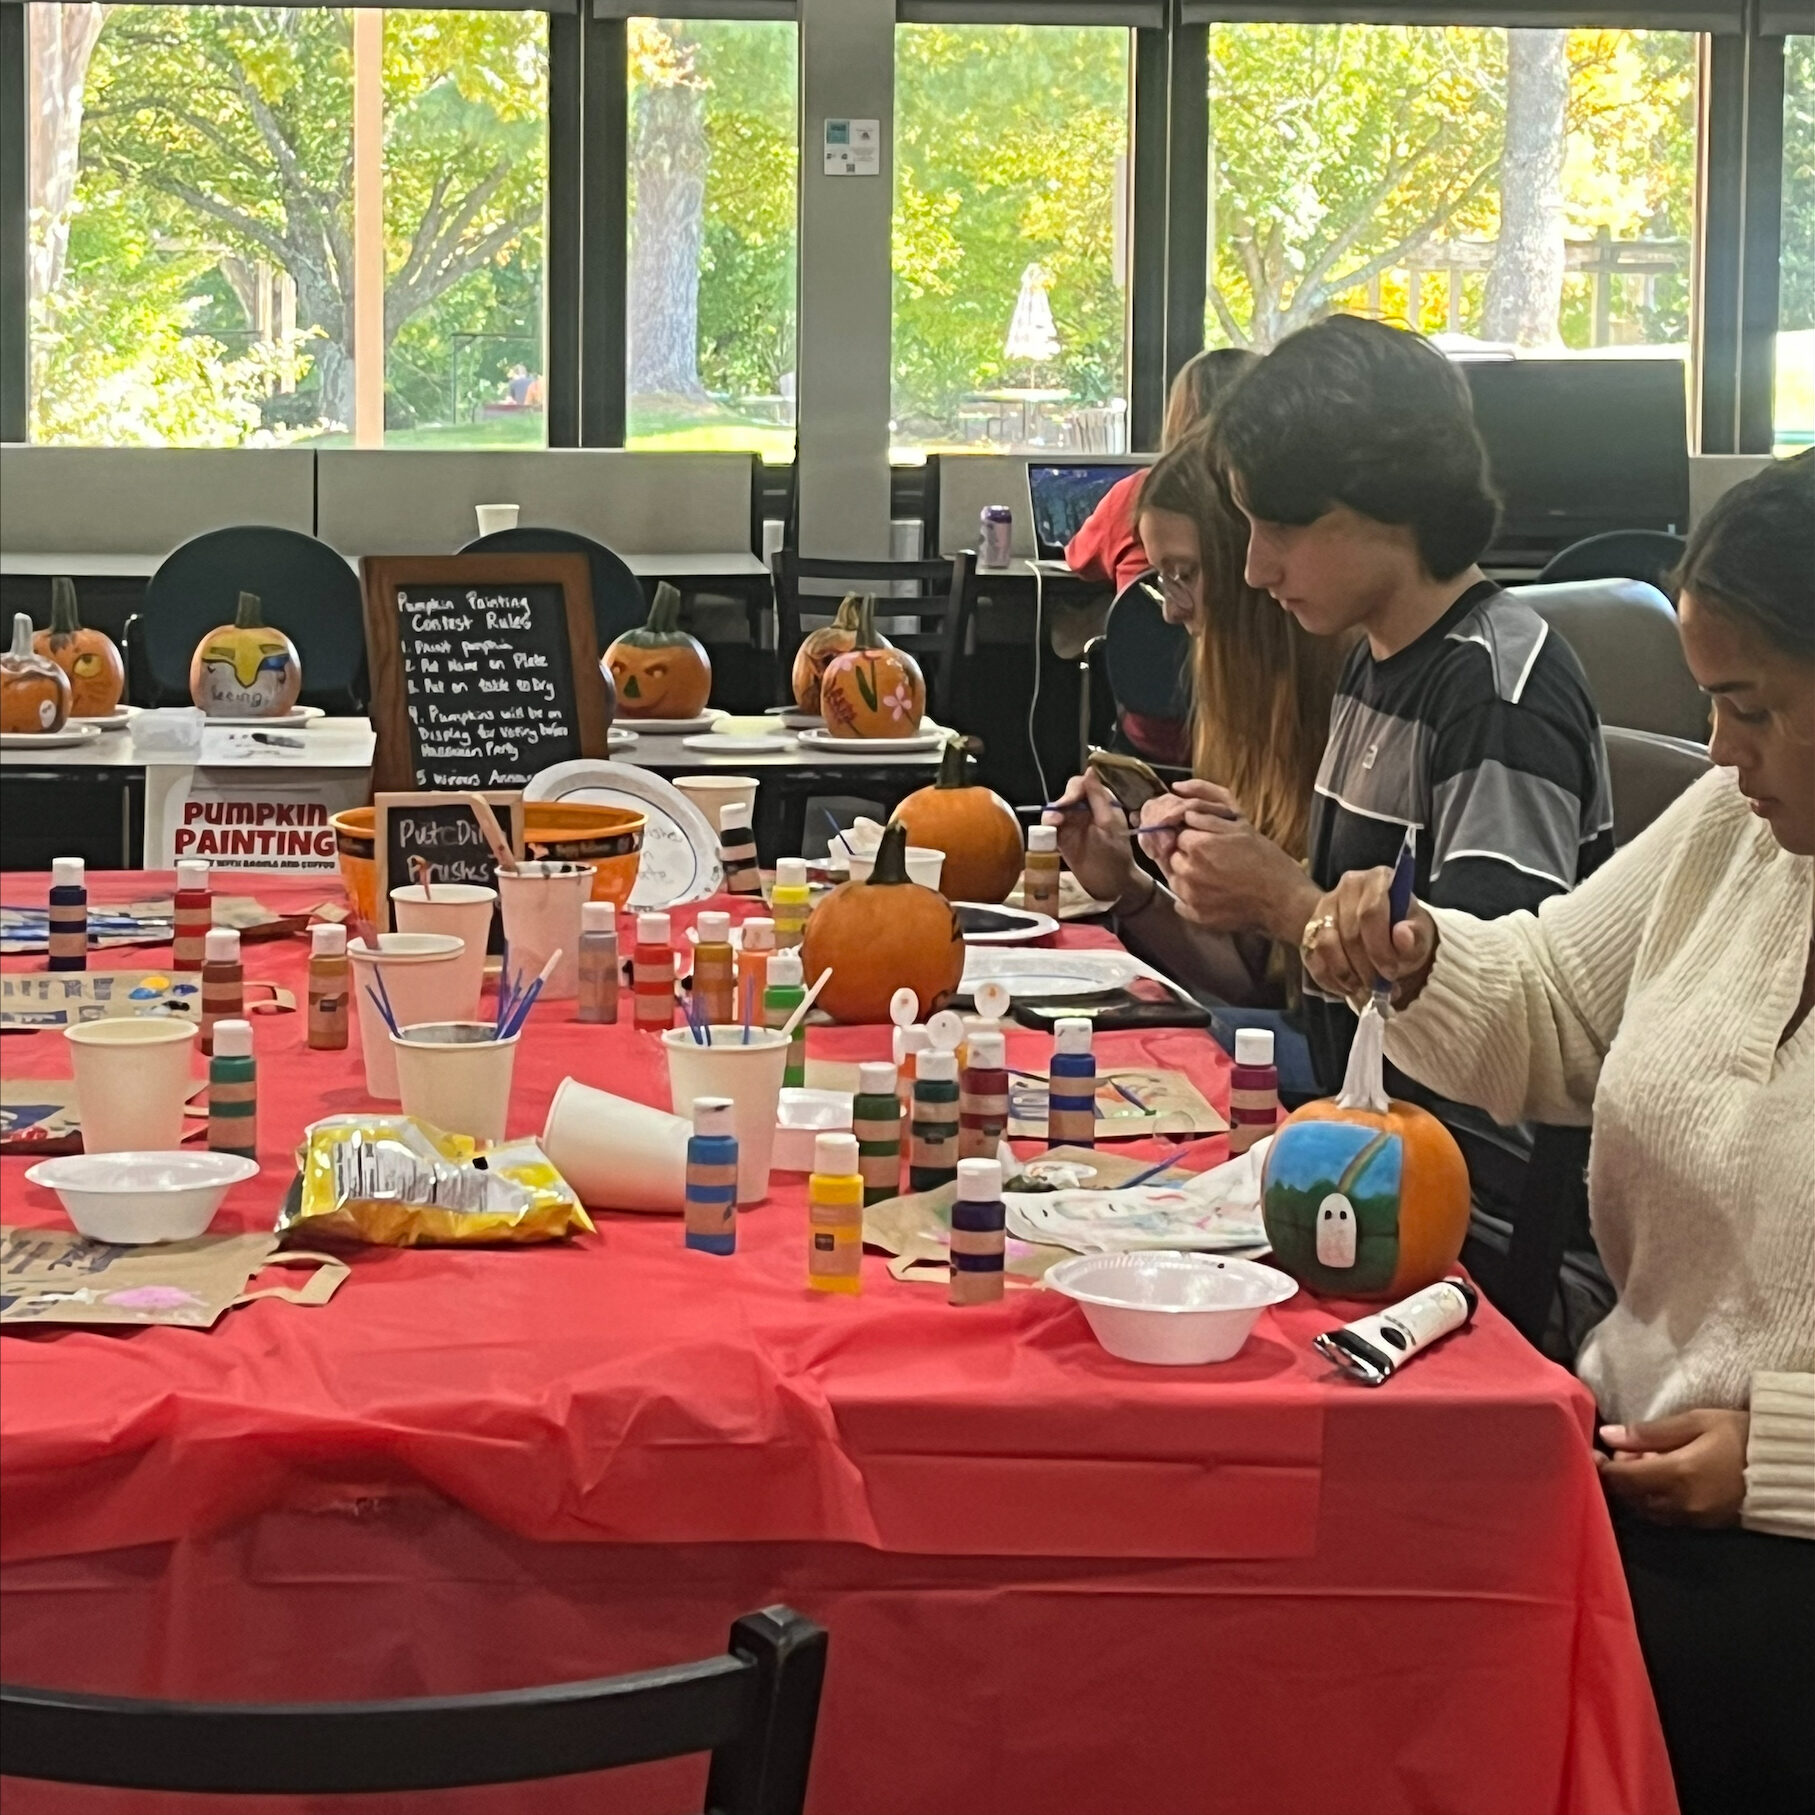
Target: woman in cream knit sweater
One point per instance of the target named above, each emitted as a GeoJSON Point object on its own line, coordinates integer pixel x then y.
{"type": "Point", "coordinates": [1668, 999]}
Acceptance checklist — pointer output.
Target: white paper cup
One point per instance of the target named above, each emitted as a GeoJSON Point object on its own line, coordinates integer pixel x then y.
{"type": "Point", "coordinates": [494, 517]}
{"type": "Point", "coordinates": [749, 1075]}
{"type": "Point", "coordinates": [463, 909]}
{"type": "Point", "coordinates": [924, 865]}
{"type": "Point", "coordinates": [426, 978]}
{"type": "Point", "coordinates": [456, 1075]}
{"type": "Point", "coordinates": [617, 1155]}
{"type": "Point", "coordinates": [132, 1080]}
{"type": "Point", "coordinates": [712, 793]}
{"type": "Point", "coordinates": [542, 904]}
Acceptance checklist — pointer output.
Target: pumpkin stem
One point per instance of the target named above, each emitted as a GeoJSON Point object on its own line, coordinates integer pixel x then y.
{"type": "Point", "coordinates": [665, 608]}
{"type": "Point", "coordinates": [954, 765]}
{"type": "Point", "coordinates": [63, 618]}
{"type": "Point", "coordinates": [891, 855]}
{"type": "Point", "coordinates": [846, 616]}
{"type": "Point", "coordinates": [22, 636]}
{"type": "Point", "coordinates": [866, 624]}
{"type": "Point", "coordinates": [251, 612]}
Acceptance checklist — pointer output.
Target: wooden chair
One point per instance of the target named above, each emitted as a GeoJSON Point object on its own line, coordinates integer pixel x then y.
{"type": "Point", "coordinates": [753, 1709]}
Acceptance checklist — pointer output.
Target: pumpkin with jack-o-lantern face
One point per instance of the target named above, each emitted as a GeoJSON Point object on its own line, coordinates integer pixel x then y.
{"type": "Point", "coordinates": [246, 669]}
{"type": "Point", "coordinates": [97, 677]}
{"type": "Point", "coordinates": [660, 671]}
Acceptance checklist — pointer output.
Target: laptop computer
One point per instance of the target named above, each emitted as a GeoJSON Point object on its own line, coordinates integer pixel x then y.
{"type": "Point", "coordinates": [1064, 496]}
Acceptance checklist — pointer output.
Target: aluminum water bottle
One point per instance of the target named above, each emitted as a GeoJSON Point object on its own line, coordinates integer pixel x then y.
{"type": "Point", "coordinates": [995, 535]}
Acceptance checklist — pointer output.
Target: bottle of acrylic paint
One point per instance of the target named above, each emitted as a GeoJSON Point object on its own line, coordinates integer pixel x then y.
{"type": "Point", "coordinates": [910, 1043]}
{"type": "Point", "coordinates": [598, 962]}
{"type": "Point", "coordinates": [982, 1096]}
{"type": "Point", "coordinates": [756, 944]}
{"type": "Point", "coordinates": [1071, 1091]}
{"type": "Point", "coordinates": [194, 914]}
{"type": "Point", "coordinates": [979, 1233]}
{"type": "Point", "coordinates": [789, 901]}
{"type": "Point", "coordinates": [713, 966]}
{"type": "Point", "coordinates": [711, 1201]}
{"type": "Point", "coordinates": [233, 1090]}
{"type": "Point", "coordinates": [835, 1216]}
{"type": "Point", "coordinates": [652, 974]}
{"type": "Point", "coordinates": [329, 982]}
{"type": "Point", "coordinates": [68, 947]}
{"type": "Point", "coordinates": [737, 850]}
{"type": "Point", "coordinates": [784, 994]}
{"type": "Point", "coordinates": [876, 1122]}
{"type": "Point", "coordinates": [223, 981]}
{"type": "Point", "coordinates": [1040, 880]}
{"type": "Point", "coordinates": [1253, 1089]}
{"type": "Point", "coordinates": [933, 1144]}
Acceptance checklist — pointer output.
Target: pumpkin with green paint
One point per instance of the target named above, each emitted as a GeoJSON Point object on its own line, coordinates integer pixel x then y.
{"type": "Point", "coordinates": [97, 676]}
{"type": "Point", "coordinates": [660, 671]}
{"type": "Point", "coordinates": [872, 690]}
{"type": "Point", "coordinates": [246, 669]}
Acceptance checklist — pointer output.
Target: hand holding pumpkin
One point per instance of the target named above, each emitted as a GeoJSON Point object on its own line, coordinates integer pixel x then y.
{"type": "Point", "coordinates": [1349, 939]}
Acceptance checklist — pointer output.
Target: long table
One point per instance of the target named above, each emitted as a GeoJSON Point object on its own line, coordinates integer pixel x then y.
{"type": "Point", "coordinates": [1054, 1581]}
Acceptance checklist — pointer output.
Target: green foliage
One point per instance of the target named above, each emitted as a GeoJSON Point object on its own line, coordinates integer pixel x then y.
{"type": "Point", "coordinates": [1796, 293]}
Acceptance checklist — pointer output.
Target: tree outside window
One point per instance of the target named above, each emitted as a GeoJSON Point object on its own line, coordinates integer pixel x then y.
{"type": "Point", "coordinates": [1795, 407]}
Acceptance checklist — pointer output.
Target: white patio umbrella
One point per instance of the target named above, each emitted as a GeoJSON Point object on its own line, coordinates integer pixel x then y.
{"type": "Point", "coordinates": [1031, 334]}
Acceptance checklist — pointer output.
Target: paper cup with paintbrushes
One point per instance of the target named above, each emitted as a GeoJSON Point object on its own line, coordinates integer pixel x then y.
{"type": "Point", "coordinates": [462, 910]}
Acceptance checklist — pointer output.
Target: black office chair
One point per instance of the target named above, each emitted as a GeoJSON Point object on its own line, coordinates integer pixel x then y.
{"type": "Point", "coordinates": [307, 591]}
{"type": "Point", "coordinates": [617, 596]}
{"type": "Point", "coordinates": [1651, 555]}
{"type": "Point", "coordinates": [754, 1710]}
{"type": "Point", "coordinates": [1145, 661]}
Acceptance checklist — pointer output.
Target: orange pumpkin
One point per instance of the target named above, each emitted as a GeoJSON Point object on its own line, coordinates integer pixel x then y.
{"type": "Point", "coordinates": [872, 690]}
{"type": "Point", "coordinates": [878, 935]}
{"type": "Point", "coordinates": [820, 646]}
{"type": "Point", "coordinates": [659, 670]}
{"type": "Point", "coordinates": [97, 676]}
{"type": "Point", "coordinates": [246, 669]}
{"type": "Point", "coordinates": [1362, 1203]}
{"type": "Point", "coordinates": [974, 826]}
{"type": "Point", "coordinates": [34, 691]}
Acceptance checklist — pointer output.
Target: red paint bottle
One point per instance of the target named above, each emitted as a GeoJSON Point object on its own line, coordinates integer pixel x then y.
{"type": "Point", "coordinates": [1253, 1089]}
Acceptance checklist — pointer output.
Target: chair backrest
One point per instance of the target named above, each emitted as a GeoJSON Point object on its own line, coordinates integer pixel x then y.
{"type": "Point", "coordinates": [1148, 659]}
{"type": "Point", "coordinates": [307, 591]}
{"type": "Point", "coordinates": [1624, 634]}
{"type": "Point", "coordinates": [754, 1709]}
{"type": "Point", "coordinates": [1647, 773]}
{"type": "Point", "coordinates": [1650, 555]}
{"type": "Point", "coordinates": [617, 598]}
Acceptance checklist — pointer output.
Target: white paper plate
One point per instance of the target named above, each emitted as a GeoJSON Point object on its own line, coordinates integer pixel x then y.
{"type": "Point", "coordinates": [297, 715]}
{"type": "Point", "coordinates": [671, 727]}
{"type": "Point", "coordinates": [116, 720]}
{"type": "Point", "coordinates": [1033, 976]}
{"type": "Point", "coordinates": [1021, 925]}
{"type": "Point", "coordinates": [795, 719]}
{"type": "Point", "coordinates": [73, 732]}
{"type": "Point", "coordinates": [858, 746]}
{"type": "Point", "coordinates": [618, 738]}
{"type": "Point", "coordinates": [680, 850]}
{"type": "Point", "coordinates": [720, 743]}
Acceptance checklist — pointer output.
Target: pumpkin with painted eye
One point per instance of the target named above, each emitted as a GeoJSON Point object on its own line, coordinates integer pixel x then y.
{"type": "Point", "coordinates": [659, 670]}
{"type": "Point", "coordinates": [97, 676]}
{"type": "Point", "coordinates": [34, 691]}
{"type": "Point", "coordinates": [246, 669]}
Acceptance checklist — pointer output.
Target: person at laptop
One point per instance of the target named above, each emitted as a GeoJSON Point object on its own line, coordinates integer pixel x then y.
{"type": "Point", "coordinates": [1458, 722]}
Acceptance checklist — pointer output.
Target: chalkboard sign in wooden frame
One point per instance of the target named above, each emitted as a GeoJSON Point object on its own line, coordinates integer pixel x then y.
{"type": "Point", "coordinates": [444, 829]}
{"type": "Point", "coordinates": [494, 657]}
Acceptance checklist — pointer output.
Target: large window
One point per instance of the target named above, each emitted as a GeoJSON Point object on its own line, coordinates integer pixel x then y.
{"type": "Point", "coordinates": [713, 156]}
{"type": "Point", "coordinates": [1795, 411]}
{"type": "Point", "coordinates": [196, 245]}
{"type": "Point", "coordinates": [1526, 190]}
{"type": "Point", "coordinates": [1010, 242]}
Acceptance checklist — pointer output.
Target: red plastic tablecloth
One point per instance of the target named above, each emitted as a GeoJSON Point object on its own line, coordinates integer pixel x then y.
{"type": "Point", "coordinates": [1055, 1581]}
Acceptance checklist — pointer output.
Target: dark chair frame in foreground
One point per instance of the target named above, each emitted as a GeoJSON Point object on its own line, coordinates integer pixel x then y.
{"type": "Point", "coordinates": [753, 1709]}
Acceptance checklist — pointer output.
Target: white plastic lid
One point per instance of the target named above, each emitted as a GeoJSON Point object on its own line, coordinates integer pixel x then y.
{"type": "Point", "coordinates": [714, 1115]}
{"type": "Point", "coordinates": [904, 1007]}
{"type": "Point", "coordinates": [941, 1067]}
{"type": "Point", "coordinates": [233, 1039]}
{"type": "Point", "coordinates": [835, 1153]}
{"type": "Point", "coordinates": [759, 934]}
{"type": "Point", "coordinates": [1073, 1034]}
{"type": "Point", "coordinates": [979, 1181]}
{"type": "Point", "coordinates": [790, 872]}
{"type": "Point", "coordinates": [713, 929]}
{"type": "Point", "coordinates": [908, 1041]}
{"type": "Point", "coordinates": [653, 929]}
{"type": "Point", "coordinates": [66, 872]}
{"type": "Point", "coordinates": [946, 1030]}
{"type": "Point", "coordinates": [993, 1000]}
{"type": "Point", "coordinates": [192, 873]}
{"type": "Point", "coordinates": [784, 969]}
{"type": "Point", "coordinates": [329, 940]}
{"type": "Point", "coordinates": [734, 816]}
{"type": "Point", "coordinates": [1254, 1046]}
{"type": "Point", "coordinates": [1042, 838]}
{"type": "Point", "coordinates": [877, 1079]}
{"type": "Point", "coordinates": [988, 1052]}
{"type": "Point", "coordinates": [220, 945]}
{"type": "Point", "coordinates": [598, 917]}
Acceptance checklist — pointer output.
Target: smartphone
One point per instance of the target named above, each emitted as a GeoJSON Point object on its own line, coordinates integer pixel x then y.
{"type": "Point", "coordinates": [1128, 778]}
{"type": "Point", "coordinates": [1111, 1012]}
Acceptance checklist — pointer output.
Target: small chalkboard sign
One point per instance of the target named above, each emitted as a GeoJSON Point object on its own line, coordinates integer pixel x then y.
{"type": "Point", "coordinates": [485, 668]}
{"type": "Point", "coordinates": [443, 830]}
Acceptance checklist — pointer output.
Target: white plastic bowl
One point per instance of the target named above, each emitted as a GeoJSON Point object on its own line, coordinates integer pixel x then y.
{"type": "Point", "coordinates": [142, 1197]}
{"type": "Point", "coordinates": [1167, 1308]}
{"type": "Point", "coordinates": [924, 866]}
{"type": "Point", "coordinates": [802, 1117]}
